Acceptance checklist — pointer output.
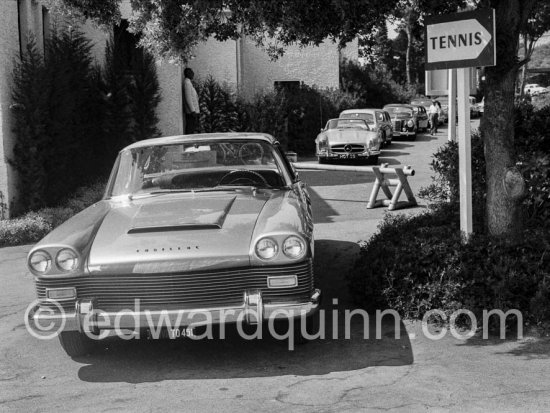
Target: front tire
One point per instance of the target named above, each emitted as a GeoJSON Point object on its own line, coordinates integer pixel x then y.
{"type": "Point", "coordinates": [323, 161]}
{"type": "Point", "coordinates": [76, 344]}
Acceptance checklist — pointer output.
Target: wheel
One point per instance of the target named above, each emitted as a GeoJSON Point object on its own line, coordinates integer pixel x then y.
{"type": "Point", "coordinates": [76, 344]}
{"type": "Point", "coordinates": [413, 137]}
{"type": "Point", "coordinates": [311, 327]}
{"type": "Point", "coordinates": [384, 141]}
{"type": "Point", "coordinates": [242, 177]}
{"type": "Point", "coordinates": [323, 160]}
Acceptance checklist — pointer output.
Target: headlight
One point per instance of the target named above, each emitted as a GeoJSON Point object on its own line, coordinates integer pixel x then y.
{"type": "Point", "coordinates": [266, 248]}
{"type": "Point", "coordinates": [40, 261]}
{"type": "Point", "coordinates": [323, 143]}
{"type": "Point", "coordinates": [294, 247]}
{"type": "Point", "coordinates": [67, 260]}
{"type": "Point", "coordinates": [410, 123]}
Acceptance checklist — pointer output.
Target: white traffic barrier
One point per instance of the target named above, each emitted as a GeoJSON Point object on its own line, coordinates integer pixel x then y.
{"type": "Point", "coordinates": [381, 182]}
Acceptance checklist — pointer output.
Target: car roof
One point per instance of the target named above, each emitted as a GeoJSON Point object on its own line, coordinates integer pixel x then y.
{"type": "Point", "coordinates": [399, 105]}
{"type": "Point", "coordinates": [174, 140]}
{"type": "Point", "coordinates": [367, 110]}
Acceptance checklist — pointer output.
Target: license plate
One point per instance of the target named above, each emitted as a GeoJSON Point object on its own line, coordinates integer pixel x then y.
{"type": "Point", "coordinates": [180, 332]}
{"type": "Point", "coordinates": [347, 156]}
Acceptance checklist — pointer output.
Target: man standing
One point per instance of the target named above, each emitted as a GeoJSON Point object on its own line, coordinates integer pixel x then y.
{"type": "Point", "coordinates": [190, 102]}
{"type": "Point", "coordinates": [434, 116]}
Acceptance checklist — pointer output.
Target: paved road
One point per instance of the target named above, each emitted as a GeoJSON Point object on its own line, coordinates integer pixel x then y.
{"type": "Point", "coordinates": [410, 373]}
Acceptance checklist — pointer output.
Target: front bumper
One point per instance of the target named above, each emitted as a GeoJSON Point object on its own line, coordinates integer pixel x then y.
{"type": "Point", "coordinates": [336, 156]}
{"type": "Point", "coordinates": [85, 318]}
{"type": "Point", "coordinates": [405, 133]}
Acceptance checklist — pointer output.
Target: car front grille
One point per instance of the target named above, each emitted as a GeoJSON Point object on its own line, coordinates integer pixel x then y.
{"type": "Point", "coordinates": [347, 148]}
{"type": "Point", "coordinates": [189, 290]}
{"type": "Point", "coordinates": [397, 125]}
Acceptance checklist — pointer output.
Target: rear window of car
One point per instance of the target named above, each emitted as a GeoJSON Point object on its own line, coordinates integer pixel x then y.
{"type": "Point", "coordinates": [368, 117]}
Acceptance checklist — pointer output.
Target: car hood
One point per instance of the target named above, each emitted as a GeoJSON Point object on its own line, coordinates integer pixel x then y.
{"type": "Point", "coordinates": [177, 232]}
{"type": "Point", "coordinates": [349, 136]}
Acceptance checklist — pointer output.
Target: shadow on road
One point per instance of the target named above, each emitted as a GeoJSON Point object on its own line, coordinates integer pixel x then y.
{"type": "Point", "coordinates": [139, 361]}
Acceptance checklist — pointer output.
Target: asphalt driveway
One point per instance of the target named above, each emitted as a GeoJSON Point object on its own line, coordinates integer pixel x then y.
{"type": "Point", "coordinates": [409, 372]}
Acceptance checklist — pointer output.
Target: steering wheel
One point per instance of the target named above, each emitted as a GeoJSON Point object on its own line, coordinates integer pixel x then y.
{"type": "Point", "coordinates": [242, 177]}
{"type": "Point", "coordinates": [250, 152]}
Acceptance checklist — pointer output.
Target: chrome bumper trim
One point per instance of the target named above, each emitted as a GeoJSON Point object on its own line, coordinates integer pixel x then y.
{"type": "Point", "coordinates": [253, 311]}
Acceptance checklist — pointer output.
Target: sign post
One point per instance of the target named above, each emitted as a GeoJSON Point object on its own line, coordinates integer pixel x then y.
{"type": "Point", "coordinates": [460, 41]}
{"type": "Point", "coordinates": [452, 105]}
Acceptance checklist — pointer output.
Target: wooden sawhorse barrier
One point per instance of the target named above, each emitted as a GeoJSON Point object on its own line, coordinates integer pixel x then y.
{"type": "Point", "coordinates": [384, 183]}
{"type": "Point", "coordinates": [381, 182]}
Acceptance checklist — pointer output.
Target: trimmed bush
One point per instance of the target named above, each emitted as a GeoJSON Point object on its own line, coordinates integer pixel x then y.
{"type": "Point", "coordinates": [25, 230]}
{"type": "Point", "coordinates": [33, 226]}
{"type": "Point", "coordinates": [418, 263]}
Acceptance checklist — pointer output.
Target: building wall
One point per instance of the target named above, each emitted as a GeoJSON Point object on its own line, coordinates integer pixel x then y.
{"type": "Point", "coordinates": [9, 49]}
{"type": "Point", "coordinates": [312, 65]}
{"type": "Point", "coordinates": [216, 59]}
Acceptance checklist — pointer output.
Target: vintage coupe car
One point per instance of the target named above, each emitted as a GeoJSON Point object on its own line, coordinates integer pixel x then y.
{"type": "Point", "coordinates": [426, 103]}
{"type": "Point", "coordinates": [201, 229]}
{"type": "Point", "coordinates": [348, 139]}
{"type": "Point", "coordinates": [404, 118]}
{"type": "Point", "coordinates": [378, 120]}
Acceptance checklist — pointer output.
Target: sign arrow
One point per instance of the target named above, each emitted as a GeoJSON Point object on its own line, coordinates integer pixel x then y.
{"type": "Point", "coordinates": [460, 40]}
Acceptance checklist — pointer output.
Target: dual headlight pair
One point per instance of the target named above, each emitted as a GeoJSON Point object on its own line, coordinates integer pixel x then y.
{"type": "Point", "coordinates": [41, 261]}
{"type": "Point", "coordinates": [293, 247]}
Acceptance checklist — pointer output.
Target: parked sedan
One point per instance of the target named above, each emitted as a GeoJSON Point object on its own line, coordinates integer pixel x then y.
{"type": "Point", "coordinates": [426, 103]}
{"type": "Point", "coordinates": [378, 120]}
{"type": "Point", "coordinates": [404, 118]}
{"type": "Point", "coordinates": [348, 139]}
{"type": "Point", "coordinates": [193, 231]}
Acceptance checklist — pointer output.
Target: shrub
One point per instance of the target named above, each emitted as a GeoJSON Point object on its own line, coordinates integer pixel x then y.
{"type": "Point", "coordinates": [418, 263]}
{"type": "Point", "coordinates": [218, 107]}
{"type": "Point", "coordinates": [71, 119]}
{"type": "Point", "coordinates": [24, 230]}
{"type": "Point", "coordinates": [445, 186]}
{"type": "Point", "coordinates": [33, 226]}
{"type": "Point", "coordinates": [372, 88]}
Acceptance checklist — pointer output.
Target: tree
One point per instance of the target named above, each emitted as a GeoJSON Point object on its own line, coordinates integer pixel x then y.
{"type": "Point", "coordinates": [504, 217]}
{"type": "Point", "coordinates": [173, 27]}
{"type": "Point", "coordinates": [536, 26]}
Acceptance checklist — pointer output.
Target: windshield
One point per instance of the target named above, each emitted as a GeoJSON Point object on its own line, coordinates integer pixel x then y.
{"type": "Point", "coordinates": [425, 103]}
{"type": "Point", "coordinates": [399, 110]}
{"type": "Point", "coordinates": [347, 123]}
{"type": "Point", "coordinates": [198, 165]}
{"type": "Point", "coordinates": [367, 117]}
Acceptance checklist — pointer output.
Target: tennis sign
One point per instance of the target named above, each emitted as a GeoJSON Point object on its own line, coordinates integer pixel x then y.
{"type": "Point", "coordinates": [461, 40]}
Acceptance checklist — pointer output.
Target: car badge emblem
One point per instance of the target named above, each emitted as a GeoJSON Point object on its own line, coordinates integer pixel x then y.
{"type": "Point", "coordinates": [347, 148]}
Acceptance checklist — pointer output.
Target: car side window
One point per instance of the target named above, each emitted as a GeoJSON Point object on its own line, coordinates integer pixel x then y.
{"type": "Point", "coordinates": [379, 116]}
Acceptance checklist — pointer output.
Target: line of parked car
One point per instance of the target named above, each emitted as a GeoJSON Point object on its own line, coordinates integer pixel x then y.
{"type": "Point", "coordinates": [359, 134]}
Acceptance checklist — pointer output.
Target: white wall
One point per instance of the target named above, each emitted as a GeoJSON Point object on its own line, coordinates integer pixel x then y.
{"type": "Point", "coordinates": [312, 65]}
{"type": "Point", "coordinates": [9, 49]}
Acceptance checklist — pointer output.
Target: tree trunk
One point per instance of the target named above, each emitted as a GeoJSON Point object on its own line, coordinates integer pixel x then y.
{"type": "Point", "coordinates": [497, 125]}
{"type": "Point", "coordinates": [408, 31]}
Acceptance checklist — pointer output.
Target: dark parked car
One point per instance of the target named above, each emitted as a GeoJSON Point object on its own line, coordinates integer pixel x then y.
{"type": "Point", "coordinates": [404, 118]}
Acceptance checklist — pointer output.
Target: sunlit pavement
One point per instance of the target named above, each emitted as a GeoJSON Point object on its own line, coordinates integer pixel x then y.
{"type": "Point", "coordinates": [408, 373]}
